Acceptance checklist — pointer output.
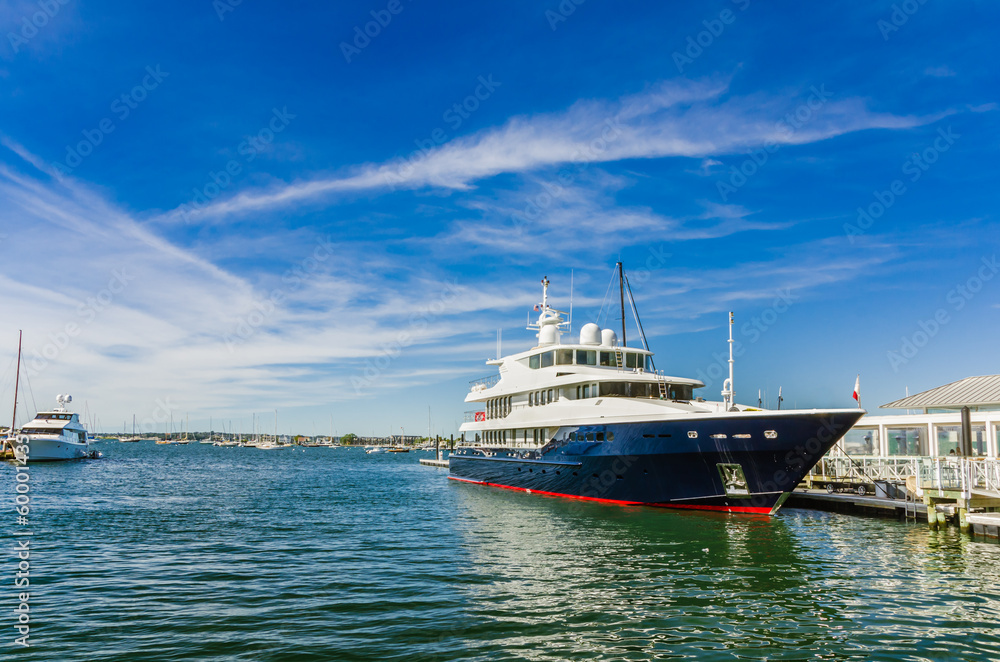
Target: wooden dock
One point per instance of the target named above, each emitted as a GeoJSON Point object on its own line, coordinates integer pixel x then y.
{"type": "Point", "coordinates": [839, 502]}
{"type": "Point", "coordinates": [428, 462]}
{"type": "Point", "coordinates": [985, 524]}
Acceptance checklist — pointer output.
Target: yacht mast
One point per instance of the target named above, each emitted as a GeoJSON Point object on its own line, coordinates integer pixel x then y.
{"type": "Point", "coordinates": [17, 378]}
{"type": "Point", "coordinates": [621, 294]}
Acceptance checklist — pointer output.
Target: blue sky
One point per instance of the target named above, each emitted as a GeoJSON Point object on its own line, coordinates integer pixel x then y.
{"type": "Point", "coordinates": [212, 210]}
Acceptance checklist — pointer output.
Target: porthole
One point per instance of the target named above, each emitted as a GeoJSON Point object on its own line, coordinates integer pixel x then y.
{"type": "Point", "coordinates": [770, 434]}
{"type": "Point", "coordinates": [692, 434]}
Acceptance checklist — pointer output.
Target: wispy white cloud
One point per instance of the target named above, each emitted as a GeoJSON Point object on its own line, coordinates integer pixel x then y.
{"type": "Point", "coordinates": [675, 118]}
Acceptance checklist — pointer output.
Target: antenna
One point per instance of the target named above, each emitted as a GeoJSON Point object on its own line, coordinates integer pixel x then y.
{"type": "Point", "coordinates": [727, 386]}
{"type": "Point", "coordinates": [570, 300]}
{"type": "Point", "coordinates": [779, 397]}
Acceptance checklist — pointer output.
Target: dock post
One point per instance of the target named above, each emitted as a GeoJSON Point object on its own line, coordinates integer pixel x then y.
{"type": "Point", "coordinates": [437, 447]}
{"type": "Point", "coordinates": [453, 440]}
{"type": "Point", "coordinates": [942, 519]}
{"type": "Point", "coordinates": [963, 520]}
{"type": "Point", "coordinates": [931, 514]}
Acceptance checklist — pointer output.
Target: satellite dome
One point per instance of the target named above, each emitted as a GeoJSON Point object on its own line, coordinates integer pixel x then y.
{"type": "Point", "coordinates": [590, 334]}
{"type": "Point", "coordinates": [609, 338]}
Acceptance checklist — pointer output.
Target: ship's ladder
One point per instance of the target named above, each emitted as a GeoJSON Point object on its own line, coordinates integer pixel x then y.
{"type": "Point", "coordinates": [620, 359]}
{"type": "Point", "coordinates": [662, 382]}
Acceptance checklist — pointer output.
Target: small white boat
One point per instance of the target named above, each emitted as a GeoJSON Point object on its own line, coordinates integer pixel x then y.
{"type": "Point", "coordinates": [54, 435]}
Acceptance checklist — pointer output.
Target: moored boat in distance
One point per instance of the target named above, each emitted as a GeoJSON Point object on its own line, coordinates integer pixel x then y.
{"type": "Point", "coordinates": [53, 435]}
{"type": "Point", "coordinates": [593, 419]}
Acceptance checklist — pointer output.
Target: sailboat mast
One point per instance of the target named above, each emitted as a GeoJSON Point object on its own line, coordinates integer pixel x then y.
{"type": "Point", "coordinates": [17, 379]}
{"type": "Point", "coordinates": [621, 294]}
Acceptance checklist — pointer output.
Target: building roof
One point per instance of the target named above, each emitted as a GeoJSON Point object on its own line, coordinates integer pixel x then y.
{"type": "Point", "coordinates": [971, 392]}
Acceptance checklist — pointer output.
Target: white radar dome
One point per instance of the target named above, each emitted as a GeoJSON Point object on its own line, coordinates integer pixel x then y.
{"type": "Point", "coordinates": [590, 334]}
{"type": "Point", "coordinates": [609, 338]}
{"type": "Point", "coordinates": [548, 335]}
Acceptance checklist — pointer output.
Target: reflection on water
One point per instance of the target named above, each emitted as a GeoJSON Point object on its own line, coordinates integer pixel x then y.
{"type": "Point", "coordinates": [198, 552]}
{"type": "Point", "coordinates": [575, 579]}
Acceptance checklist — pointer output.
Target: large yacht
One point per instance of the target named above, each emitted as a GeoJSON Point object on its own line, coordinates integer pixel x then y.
{"type": "Point", "coordinates": [53, 435]}
{"type": "Point", "coordinates": [593, 419]}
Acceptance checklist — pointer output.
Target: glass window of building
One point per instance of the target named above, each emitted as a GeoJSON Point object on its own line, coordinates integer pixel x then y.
{"type": "Point", "coordinates": [861, 441]}
{"type": "Point", "coordinates": [564, 357]}
{"type": "Point", "coordinates": [907, 441]}
{"type": "Point", "coordinates": [949, 437]}
{"type": "Point", "coordinates": [548, 358]}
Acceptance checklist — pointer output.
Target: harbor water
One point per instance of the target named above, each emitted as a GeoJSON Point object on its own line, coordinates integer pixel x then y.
{"type": "Point", "coordinates": [210, 553]}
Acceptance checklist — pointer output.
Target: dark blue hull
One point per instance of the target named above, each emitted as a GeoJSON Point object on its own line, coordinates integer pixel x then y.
{"type": "Point", "coordinates": [741, 463]}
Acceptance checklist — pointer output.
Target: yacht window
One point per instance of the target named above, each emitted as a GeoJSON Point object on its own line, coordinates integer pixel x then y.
{"type": "Point", "coordinates": [586, 390]}
{"type": "Point", "coordinates": [550, 396]}
{"type": "Point", "coordinates": [533, 361]}
{"type": "Point", "coordinates": [649, 363]}
{"type": "Point", "coordinates": [609, 359]}
{"type": "Point", "coordinates": [590, 436]}
{"type": "Point", "coordinates": [547, 359]}
{"type": "Point", "coordinates": [600, 436]}
{"type": "Point", "coordinates": [586, 357]}
{"type": "Point", "coordinates": [630, 360]}
{"type": "Point", "coordinates": [531, 399]}
{"type": "Point", "coordinates": [572, 436]}
{"type": "Point", "coordinates": [564, 357]}
{"type": "Point", "coordinates": [577, 392]}
{"type": "Point", "coordinates": [611, 435]}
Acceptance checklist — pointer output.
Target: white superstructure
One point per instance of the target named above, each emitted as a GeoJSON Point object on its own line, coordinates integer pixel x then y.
{"type": "Point", "coordinates": [592, 380]}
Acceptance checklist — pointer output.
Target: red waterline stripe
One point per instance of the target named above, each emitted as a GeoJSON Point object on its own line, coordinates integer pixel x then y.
{"type": "Point", "coordinates": [727, 509]}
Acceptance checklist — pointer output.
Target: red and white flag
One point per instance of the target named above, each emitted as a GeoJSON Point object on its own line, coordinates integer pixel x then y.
{"type": "Point", "coordinates": [480, 416]}
{"type": "Point", "coordinates": [857, 389]}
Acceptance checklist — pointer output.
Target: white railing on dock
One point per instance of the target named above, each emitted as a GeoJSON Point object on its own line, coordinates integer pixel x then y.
{"type": "Point", "coordinates": [868, 469]}
{"type": "Point", "coordinates": [966, 475]}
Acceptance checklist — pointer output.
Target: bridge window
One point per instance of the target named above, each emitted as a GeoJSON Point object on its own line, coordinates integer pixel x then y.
{"type": "Point", "coordinates": [533, 361]}
{"type": "Point", "coordinates": [609, 359]}
{"type": "Point", "coordinates": [586, 357]}
{"type": "Point", "coordinates": [564, 357]}
{"type": "Point", "coordinates": [630, 360]}
{"type": "Point", "coordinates": [547, 359]}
